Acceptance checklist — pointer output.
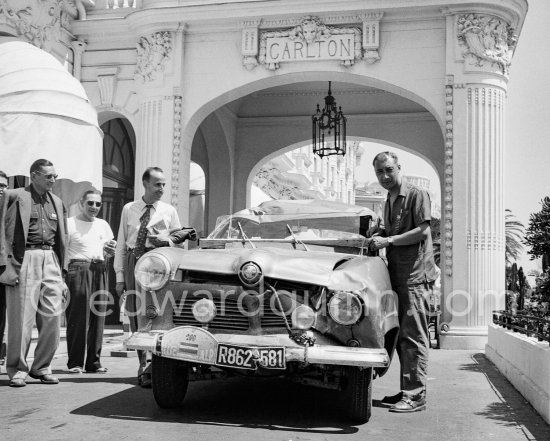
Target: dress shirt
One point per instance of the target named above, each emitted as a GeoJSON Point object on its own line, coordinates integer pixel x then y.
{"type": "Point", "coordinates": [129, 228]}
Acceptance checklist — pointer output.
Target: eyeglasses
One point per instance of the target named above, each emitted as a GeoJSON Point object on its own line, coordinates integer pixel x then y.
{"type": "Point", "coordinates": [92, 203]}
{"type": "Point", "coordinates": [48, 177]}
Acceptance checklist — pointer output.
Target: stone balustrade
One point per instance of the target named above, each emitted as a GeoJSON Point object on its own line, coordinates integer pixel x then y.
{"type": "Point", "coordinates": [116, 4]}
{"type": "Point", "coordinates": [525, 362]}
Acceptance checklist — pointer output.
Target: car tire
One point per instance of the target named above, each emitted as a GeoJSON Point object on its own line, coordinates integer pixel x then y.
{"type": "Point", "coordinates": [169, 379]}
{"type": "Point", "coordinates": [358, 394]}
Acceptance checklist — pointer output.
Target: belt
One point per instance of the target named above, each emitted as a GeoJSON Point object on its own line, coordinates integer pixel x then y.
{"type": "Point", "coordinates": [90, 261]}
{"type": "Point", "coordinates": [145, 250]}
{"type": "Point", "coordinates": [38, 247]}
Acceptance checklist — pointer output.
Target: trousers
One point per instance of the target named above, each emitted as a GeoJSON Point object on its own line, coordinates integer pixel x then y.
{"type": "Point", "coordinates": [413, 342]}
{"type": "Point", "coordinates": [38, 298]}
{"type": "Point", "coordinates": [86, 311]}
{"type": "Point", "coordinates": [2, 321]}
{"type": "Point", "coordinates": [133, 306]}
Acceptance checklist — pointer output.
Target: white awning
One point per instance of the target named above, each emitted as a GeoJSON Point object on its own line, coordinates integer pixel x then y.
{"type": "Point", "coordinates": [45, 113]}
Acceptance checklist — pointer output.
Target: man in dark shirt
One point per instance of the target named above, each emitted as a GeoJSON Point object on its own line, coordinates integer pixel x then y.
{"type": "Point", "coordinates": [408, 242]}
{"type": "Point", "coordinates": [32, 256]}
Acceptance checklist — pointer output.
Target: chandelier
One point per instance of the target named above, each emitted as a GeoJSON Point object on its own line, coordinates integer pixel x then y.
{"type": "Point", "coordinates": [329, 128]}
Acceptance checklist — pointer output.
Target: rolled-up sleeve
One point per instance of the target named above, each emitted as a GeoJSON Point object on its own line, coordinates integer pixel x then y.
{"type": "Point", "coordinates": [422, 208]}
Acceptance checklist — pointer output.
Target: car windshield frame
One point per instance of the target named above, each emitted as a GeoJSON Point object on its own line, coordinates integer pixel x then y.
{"type": "Point", "coordinates": [314, 226]}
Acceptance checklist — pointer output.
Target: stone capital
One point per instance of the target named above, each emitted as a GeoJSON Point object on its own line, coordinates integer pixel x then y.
{"type": "Point", "coordinates": [40, 23]}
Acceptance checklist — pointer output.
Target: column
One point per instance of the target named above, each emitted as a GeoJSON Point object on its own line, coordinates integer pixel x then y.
{"type": "Point", "coordinates": [473, 204]}
{"type": "Point", "coordinates": [485, 235]}
{"type": "Point", "coordinates": [158, 77]}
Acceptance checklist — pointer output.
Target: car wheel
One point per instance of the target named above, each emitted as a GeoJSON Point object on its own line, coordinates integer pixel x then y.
{"type": "Point", "coordinates": [358, 394]}
{"type": "Point", "coordinates": [169, 379]}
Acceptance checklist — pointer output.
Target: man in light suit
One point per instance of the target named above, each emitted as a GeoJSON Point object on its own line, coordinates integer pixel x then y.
{"type": "Point", "coordinates": [33, 236]}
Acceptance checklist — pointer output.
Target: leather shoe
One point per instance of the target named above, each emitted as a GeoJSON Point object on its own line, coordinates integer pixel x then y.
{"type": "Point", "coordinates": [409, 405]}
{"type": "Point", "coordinates": [392, 399]}
{"type": "Point", "coordinates": [45, 379]}
{"type": "Point", "coordinates": [17, 382]}
{"type": "Point", "coordinates": [144, 380]}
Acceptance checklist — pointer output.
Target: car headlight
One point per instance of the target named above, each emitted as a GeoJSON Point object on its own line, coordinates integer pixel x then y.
{"type": "Point", "coordinates": [204, 310]}
{"type": "Point", "coordinates": [345, 308]}
{"type": "Point", "coordinates": [152, 271]}
{"type": "Point", "coordinates": [303, 317]}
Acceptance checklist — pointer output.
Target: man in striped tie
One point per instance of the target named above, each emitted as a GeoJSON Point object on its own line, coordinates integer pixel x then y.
{"type": "Point", "coordinates": [134, 240]}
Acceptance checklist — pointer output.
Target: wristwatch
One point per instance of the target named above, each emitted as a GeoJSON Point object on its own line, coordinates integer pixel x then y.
{"type": "Point", "coordinates": [390, 240]}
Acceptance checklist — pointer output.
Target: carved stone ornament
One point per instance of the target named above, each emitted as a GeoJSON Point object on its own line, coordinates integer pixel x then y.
{"type": "Point", "coordinates": [39, 22]}
{"type": "Point", "coordinates": [176, 144]}
{"type": "Point", "coordinates": [269, 181]}
{"type": "Point", "coordinates": [311, 39]}
{"type": "Point", "coordinates": [487, 39]}
{"type": "Point", "coordinates": [152, 52]}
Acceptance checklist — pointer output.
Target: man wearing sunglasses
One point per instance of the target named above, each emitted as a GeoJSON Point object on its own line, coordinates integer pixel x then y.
{"type": "Point", "coordinates": [33, 236]}
{"type": "Point", "coordinates": [90, 245]}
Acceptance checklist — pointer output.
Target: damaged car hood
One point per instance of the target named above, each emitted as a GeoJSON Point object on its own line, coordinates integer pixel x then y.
{"type": "Point", "coordinates": [312, 267]}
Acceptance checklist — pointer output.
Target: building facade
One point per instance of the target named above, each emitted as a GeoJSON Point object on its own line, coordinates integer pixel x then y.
{"type": "Point", "coordinates": [227, 84]}
{"type": "Point", "coordinates": [300, 174]}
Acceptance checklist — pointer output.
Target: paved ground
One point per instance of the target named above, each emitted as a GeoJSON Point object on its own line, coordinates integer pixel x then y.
{"type": "Point", "coordinates": [468, 400]}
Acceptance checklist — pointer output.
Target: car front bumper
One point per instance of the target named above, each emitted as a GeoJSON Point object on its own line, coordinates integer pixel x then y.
{"type": "Point", "coordinates": [197, 345]}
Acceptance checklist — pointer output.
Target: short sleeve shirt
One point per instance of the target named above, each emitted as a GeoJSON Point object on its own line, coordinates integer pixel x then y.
{"type": "Point", "coordinates": [409, 264]}
{"type": "Point", "coordinates": [86, 239]}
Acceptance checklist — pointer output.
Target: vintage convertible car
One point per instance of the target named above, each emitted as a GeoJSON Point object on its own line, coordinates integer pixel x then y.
{"type": "Point", "coordinates": [284, 289]}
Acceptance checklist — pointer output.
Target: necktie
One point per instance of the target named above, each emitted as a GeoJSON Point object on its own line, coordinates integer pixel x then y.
{"type": "Point", "coordinates": [142, 233]}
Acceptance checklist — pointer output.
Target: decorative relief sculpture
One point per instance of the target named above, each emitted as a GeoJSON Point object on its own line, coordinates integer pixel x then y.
{"type": "Point", "coordinates": [37, 21]}
{"type": "Point", "coordinates": [249, 44]}
{"type": "Point", "coordinates": [268, 180]}
{"type": "Point", "coordinates": [448, 200]}
{"type": "Point", "coordinates": [176, 144]}
{"type": "Point", "coordinates": [371, 36]}
{"type": "Point", "coordinates": [152, 52]}
{"type": "Point", "coordinates": [311, 39]}
{"type": "Point", "coordinates": [487, 38]}
{"type": "Point", "coordinates": [76, 8]}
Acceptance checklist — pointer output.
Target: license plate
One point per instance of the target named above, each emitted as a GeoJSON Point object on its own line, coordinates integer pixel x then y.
{"type": "Point", "coordinates": [250, 358]}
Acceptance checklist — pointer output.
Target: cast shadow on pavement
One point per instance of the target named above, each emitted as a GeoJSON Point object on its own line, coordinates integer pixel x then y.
{"type": "Point", "coordinates": [271, 404]}
{"type": "Point", "coordinates": [512, 409]}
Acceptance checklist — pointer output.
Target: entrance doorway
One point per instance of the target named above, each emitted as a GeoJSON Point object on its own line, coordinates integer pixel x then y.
{"type": "Point", "coordinates": [118, 185]}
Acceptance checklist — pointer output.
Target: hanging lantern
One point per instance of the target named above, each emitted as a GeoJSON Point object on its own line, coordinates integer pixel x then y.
{"type": "Point", "coordinates": [329, 128]}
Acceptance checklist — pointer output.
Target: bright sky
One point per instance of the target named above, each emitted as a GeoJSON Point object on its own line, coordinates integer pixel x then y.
{"type": "Point", "coordinates": [527, 149]}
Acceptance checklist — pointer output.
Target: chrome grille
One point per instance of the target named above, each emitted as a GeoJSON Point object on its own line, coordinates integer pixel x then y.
{"type": "Point", "coordinates": [228, 317]}
{"type": "Point", "coordinates": [232, 312]}
{"type": "Point", "coordinates": [272, 319]}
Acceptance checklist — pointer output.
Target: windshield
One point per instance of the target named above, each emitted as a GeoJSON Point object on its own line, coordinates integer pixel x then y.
{"type": "Point", "coordinates": [282, 226]}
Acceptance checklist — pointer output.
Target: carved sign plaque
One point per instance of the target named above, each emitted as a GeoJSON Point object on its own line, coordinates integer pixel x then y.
{"type": "Point", "coordinates": [310, 40]}
{"type": "Point", "coordinates": [339, 47]}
